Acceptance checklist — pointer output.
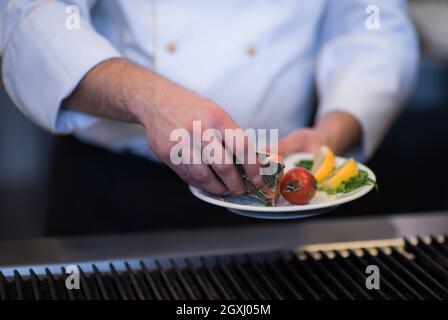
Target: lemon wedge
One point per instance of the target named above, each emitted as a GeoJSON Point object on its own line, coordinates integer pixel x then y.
{"type": "Point", "coordinates": [348, 170]}
{"type": "Point", "coordinates": [323, 164]}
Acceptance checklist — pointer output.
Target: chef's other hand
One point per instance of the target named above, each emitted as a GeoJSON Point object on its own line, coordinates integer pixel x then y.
{"type": "Point", "coordinates": [121, 90]}
{"type": "Point", "coordinates": [337, 130]}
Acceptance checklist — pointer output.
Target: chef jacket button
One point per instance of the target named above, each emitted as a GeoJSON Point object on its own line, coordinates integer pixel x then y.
{"type": "Point", "coordinates": [171, 47]}
{"type": "Point", "coordinates": [252, 50]}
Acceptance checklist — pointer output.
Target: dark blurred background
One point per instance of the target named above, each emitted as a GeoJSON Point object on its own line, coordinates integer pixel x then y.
{"type": "Point", "coordinates": [411, 164]}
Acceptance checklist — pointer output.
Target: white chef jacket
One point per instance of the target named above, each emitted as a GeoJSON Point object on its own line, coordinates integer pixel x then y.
{"type": "Point", "coordinates": [258, 59]}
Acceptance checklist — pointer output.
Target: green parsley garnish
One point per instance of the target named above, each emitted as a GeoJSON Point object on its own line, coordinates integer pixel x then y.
{"type": "Point", "coordinates": [307, 164]}
{"type": "Point", "coordinates": [362, 179]}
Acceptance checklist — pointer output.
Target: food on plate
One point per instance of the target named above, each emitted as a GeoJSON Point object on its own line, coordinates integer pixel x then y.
{"type": "Point", "coordinates": [270, 192]}
{"type": "Point", "coordinates": [343, 179]}
{"type": "Point", "coordinates": [298, 186]}
{"type": "Point", "coordinates": [362, 179]}
{"type": "Point", "coordinates": [323, 164]}
{"type": "Point", "coordinates": [344, 173]}
{"type": "Point", "coordinates": [307, 164]}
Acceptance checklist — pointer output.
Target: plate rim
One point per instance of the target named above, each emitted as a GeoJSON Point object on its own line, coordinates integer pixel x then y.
{"type": "Point", "coordinates": [295, 208]}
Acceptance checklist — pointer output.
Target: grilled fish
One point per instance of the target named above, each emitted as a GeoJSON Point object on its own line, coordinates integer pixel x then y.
{"type": "Point", "coordinates": [270, 191]}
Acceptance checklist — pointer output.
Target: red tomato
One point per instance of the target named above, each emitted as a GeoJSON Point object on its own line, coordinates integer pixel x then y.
{"type": "Point", "coordinates": [298, 186]}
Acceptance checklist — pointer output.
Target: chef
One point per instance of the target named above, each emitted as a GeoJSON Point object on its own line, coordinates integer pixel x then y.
{"type": "Point", "coordinates": [120, 75]}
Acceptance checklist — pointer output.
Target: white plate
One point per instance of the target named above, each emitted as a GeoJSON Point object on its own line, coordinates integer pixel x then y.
{"type": "Point", "coordinates": [321, 203]}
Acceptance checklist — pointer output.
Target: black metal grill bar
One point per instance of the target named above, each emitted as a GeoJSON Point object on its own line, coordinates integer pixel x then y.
{"type": "Point", "coordinates": [433, 252]}
{"type": "Point", "coordinates": [144, 287]}
{"type": "Point", "coordinates": [264, 280]}
{"type": "Point", "coordinates": [284, 282]}
{"type": "Point", "coordinates": [427, 262]}
{"type": "Point", "coordinates": [252, 289]}
{"type": "Point", "coordinates": [405, 273]}
{"type": "Point", "coordinates": [167, 283]}
{"type": "Point", "coordinates": [227, 288]}
{"type": "Point", "coordinates": [443, 249]}
{"type": "Point", "coordinates": [322, 288]}
{"type": "Point", "coordinates": [386, 286]}
{"type": "Point", "coordinates": [357, 274]}
{"type": "Point", "coordinates": [395, 277]}
{"type": "Point", "coordinates": [100, 281]}
{"type": "Point", "coordinates": [339, 270]}
{"type": "Point", "coordinates": [135, 283]}
{"type": "Point", "coordinates": [216, 283]}
{"type": "Point", "coordinates": [204, 286]}
{"type": "Point", "coordinates": [332, 280]}
{"type": "Point", "coordinates": [86, 288]}
{"type": "Point", "coordinates": [118, 282]}
{"type": "Point", "coordinates": [52, 285]}
{"type": "Point", "coordinates": [183, 282]}
{"type": "Point", "coordinates": [35, 285]}
{"type": "Point", "coordinates": [234, 282]}
{"type": "Point", "coordinates": [4, 287]}
{"type": "Point", "coordinates": [191, 281]}
{"type": "Point", "coordinates": [419, 272]}
{"type": "Point", "coordinates": [19, 285]}
{"type": "Point", "coordinates": [300, 281]}
{"type": "Point", "coordinates": [157, 293]}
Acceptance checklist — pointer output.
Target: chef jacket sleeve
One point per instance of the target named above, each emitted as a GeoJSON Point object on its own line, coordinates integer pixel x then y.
{"type": "Point", "coordinates": [367, 64]}
{"type": "Point", "coordinates": [45, 54]}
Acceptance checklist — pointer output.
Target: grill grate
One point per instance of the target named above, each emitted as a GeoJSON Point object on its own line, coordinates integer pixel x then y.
{"type": "Point", "coordinates": [416, 271]}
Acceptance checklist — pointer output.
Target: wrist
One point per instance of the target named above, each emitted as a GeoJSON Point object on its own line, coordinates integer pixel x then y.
{"type": "Point", "coordinates": [144, 95]}
{"type": "Point", "coordinates": [339, 130]}
{"type": "Point", "coordinates": [138, 107]}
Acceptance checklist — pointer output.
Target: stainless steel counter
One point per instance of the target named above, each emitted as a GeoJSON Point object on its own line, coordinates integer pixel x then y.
{"type": "Point", "coordinates": [265, 237]}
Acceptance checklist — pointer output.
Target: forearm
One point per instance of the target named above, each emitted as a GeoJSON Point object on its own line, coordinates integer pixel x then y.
{"type": "Point", "coordinates": [115, 89]}
{"type": "Point", "coordinates": [123, 91]}
{"type": "Point", "coordinates": [340, 131]}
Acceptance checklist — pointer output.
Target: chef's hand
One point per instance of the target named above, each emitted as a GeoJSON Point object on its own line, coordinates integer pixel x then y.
{"type": "Point", "coordinates": [177, 108]}
{"type": "Point", "coordinates": [337, 130]}
{"type": "Point", "coordinates": [120, 90]}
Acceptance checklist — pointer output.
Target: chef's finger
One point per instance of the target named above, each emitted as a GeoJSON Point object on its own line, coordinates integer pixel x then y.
{"type": "Point", "coordinates": [229, 175]}
{"type": "Point", "coordinates": [202, 177]}
{"type": "Point", "coordinates": [221, 161]}
{"type": "Point", "coordinates": [238, 144]}
{"type": "Point", "coordinates": [198, 175]}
